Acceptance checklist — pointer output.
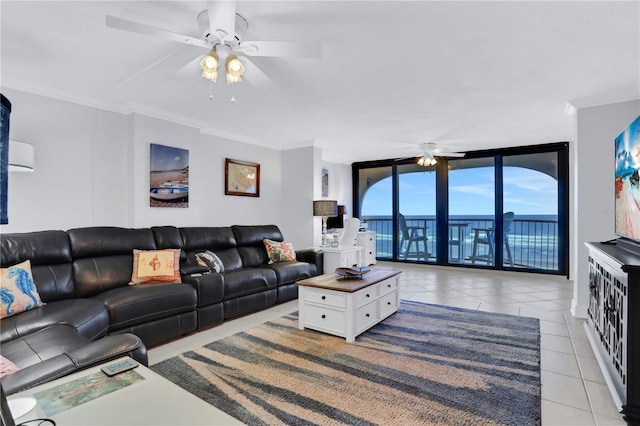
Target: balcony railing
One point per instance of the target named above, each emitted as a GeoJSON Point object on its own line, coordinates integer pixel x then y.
{"type": "Point", "coordinates": [533, 242]}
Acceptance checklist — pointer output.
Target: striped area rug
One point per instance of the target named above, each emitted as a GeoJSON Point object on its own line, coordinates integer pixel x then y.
{"type": "Point", "coordinates": [426, 364]}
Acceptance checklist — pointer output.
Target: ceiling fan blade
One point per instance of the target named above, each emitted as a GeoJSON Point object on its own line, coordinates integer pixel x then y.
{"type": "Point", "coordinates": [190, 69]}
{"type": "Point", "coordinates": [298, 49]}
{"type": "Point", "coordinates": [137, 27]}
{"type": "Point", "coordinates": [256, 76]}
{"type": "Point", "coordinates": [222, 17]}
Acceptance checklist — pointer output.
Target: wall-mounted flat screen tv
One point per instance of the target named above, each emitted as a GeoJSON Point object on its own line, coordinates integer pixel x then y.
{"type": "Point", "coordinates": [627, 184]}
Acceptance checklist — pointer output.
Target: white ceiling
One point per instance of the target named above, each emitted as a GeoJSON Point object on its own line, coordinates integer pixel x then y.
{"type": "Point", "coordinates": [466, 75]}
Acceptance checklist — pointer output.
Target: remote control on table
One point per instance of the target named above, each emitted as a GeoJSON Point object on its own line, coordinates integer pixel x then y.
{"type": "Point", "coordinates": [119, 367]}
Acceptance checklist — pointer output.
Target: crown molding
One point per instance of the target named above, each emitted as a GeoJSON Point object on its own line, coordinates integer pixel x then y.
{"type": "Point", "coordinates": [125, 109]}
{"type": "Point", "coordinates": [37, 89]}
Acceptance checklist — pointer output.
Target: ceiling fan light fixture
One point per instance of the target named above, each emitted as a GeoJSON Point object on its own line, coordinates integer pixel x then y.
{"type": "Point", "coordinates": [209, 65]}
{"type": "Point", "coordinates": [427, 160]}
{"type": "Point", "coordinates": [235, 69]}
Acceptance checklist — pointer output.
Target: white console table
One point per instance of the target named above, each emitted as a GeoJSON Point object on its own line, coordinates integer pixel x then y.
{"type": "Point", "coordinates": [340, 257]}
{"type": "Point", "coordinates": [367, 240]}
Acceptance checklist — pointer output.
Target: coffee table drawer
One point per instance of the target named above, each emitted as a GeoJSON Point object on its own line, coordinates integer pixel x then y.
{"type": "Point", "coordinates": [389, 285]}
{"type": "Point", "coordinates": [388, 304]}
{"type": "Point", "coordinates": [329, 298]}
{"type": "Point", "coordinates": [366, 316]}
{"type": "Point", "coordinates": [366, 295]}
{"type": "Point", "coordinates": [321, 318]}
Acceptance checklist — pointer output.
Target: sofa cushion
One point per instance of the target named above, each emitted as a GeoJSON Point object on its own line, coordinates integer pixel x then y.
{"type": "Point", "coordinates": [211, 261]}
{"type": "Point", "coordinates": [7, 367]}
{"type": "Point", "coordinates": [279, 251]}
{"type": "Point", "coordinates": [156, 266]}
{"type": "Point", "coordinates": [103, 257]}
{"type": "Point", "coordinates": [50, 256]}
{"type": "Point", "coordinates": [89, 318]}
{"type": "Point", "coordinates": [213, 238]}
{"type": "Point", "coordinates": [133, 305]}
{"type": "Point", "coordinates": [58, 350]}
{"type": "Point", "coordinates": [250, 243]}
{"type": "Point", "coordinates": [290, 272]}
{"type": "Point", "coordinates": [218, 240]}
{"type": "Point", "coordinates": [248, 281]}
{"type": "Point", "coordinates": [42, 344]}
{"type": "Point", "coordinates": [18, 292]}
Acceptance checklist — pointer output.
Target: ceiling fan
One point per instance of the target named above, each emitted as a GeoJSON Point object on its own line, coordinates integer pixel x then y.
{"type": "Point", "coordinates": [429, 152]}
{"type": "Point", "coordinates": [222, 31]}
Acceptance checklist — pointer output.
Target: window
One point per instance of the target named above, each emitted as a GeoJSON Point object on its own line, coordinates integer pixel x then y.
{"type": "Point", "coordinates": [503, 209]}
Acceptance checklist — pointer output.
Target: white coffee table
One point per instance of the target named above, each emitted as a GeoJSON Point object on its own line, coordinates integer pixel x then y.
{"type": "Point", "coordinates": [152, 401]}
{"type": "Point", "coordinates": [347, 307]}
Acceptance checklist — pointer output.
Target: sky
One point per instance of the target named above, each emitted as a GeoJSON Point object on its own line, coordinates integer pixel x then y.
{"type": "Point", "coordinates": [165, 158]}
{"type": "Point", "coordinates": [526, 192]}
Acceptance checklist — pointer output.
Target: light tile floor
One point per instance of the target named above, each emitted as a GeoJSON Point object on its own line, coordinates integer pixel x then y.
{"type": "Point", "coordinates": [573, 388]}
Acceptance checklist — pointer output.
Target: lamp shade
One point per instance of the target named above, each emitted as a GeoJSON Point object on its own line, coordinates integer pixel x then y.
{"type": "Point", "coordinates": [235, 69]}
{"type": "Point", "coordinates": [325, 208]}
{"type": "Point", "coordinates": [21, 156]}
{"type": "Point", "coordinates": [209, 65]}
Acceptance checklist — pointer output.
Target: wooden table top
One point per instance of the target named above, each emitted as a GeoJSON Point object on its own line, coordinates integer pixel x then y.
{"type": "Point", "coordinates": [335, 282]}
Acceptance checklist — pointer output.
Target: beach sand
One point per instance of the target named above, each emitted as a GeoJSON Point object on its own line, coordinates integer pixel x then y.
{"type": "Point", "coordinates": [160, 177]}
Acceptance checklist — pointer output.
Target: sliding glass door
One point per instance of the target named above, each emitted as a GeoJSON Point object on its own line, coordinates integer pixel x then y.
{"type": "Point", "coordinates": [375, 186]}
{"type": "Point", "coordinates": [416, 215]}
{"type": "Point", "coordinates": [530, 194]}
{"type": "Point", "coordinates": [471, 194]}
{"type": "Point", "coordinates": [503, 209]}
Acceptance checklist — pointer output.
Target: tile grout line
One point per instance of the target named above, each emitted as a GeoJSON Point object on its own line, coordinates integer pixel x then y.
{"type": "Point", "coordinates": [580, 368]}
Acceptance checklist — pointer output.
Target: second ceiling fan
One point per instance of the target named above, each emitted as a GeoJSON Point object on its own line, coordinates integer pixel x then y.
{"type": "Point", "coordinates": [222, 31]}
{"type": "Point", "coordinates": [430, 151]}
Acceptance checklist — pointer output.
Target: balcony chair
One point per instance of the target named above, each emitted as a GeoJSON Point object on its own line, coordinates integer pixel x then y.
{"type": "Point", "coordinates": [486, 237]}
{"type": "Point", "coordinates": [412, 234]}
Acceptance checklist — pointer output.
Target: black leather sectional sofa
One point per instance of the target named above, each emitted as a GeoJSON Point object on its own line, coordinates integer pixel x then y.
{"type": "Point", "coordinates": [91, 313]}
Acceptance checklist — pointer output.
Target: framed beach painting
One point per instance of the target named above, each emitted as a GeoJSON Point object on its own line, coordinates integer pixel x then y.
{"type": "Point", "coordinates": [241, 178]}
{"type": "Point", "coordinates": [169, 177]}
{"type": "Point", "coordinates": [325, 182]}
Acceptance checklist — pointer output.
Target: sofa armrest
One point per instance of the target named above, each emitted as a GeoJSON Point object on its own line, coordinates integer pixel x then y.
{"type": "Point", "coordinates": [313, 256]}
{"type": "Point", "coordinates": [209, 287]}
{"type": "Point", "coordinates": [188, 268]}
{"type": "Point", "coordinates": [93, 353]}
{"type": "Point", "coordinates": [108, 348]}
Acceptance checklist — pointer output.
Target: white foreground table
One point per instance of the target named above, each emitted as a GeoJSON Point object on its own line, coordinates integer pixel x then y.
{"type": "Point", "coordinates": [153, 401]}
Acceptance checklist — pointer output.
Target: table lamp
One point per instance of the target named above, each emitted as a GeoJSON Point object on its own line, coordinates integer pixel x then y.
{"type": "Point", "coordinates": [325, 208]}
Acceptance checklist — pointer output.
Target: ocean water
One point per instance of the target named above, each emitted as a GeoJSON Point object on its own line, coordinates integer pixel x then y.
{"type": "Point", "coordinates": [533, 239]}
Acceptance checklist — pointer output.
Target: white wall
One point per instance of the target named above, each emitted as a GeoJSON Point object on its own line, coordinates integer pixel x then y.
{"type": "Point", "coordinates": [593, 196]}
{"type": "Point", "coordinates": [340, 186]}
{"type": "Point", "coordinates": [92, 169]}
{"type": "Point", "coordinates": [297, 189]}
{"type": "Point", "coordinates": [80, 165]}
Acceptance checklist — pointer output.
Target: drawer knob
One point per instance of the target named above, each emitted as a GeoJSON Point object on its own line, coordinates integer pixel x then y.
{"type": "Point", "coordinates": [367, 294]}
{"type": "Point", "coordinates": [324, 297]}
{"type": "Point", "coordinates": [388, 303]}
{"type": "Point", "coordinates": [389, 285]}
{"type": "Point", "coordinates": [367, 315]}
{"type": "Point", "coordinates": [323, 316]}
